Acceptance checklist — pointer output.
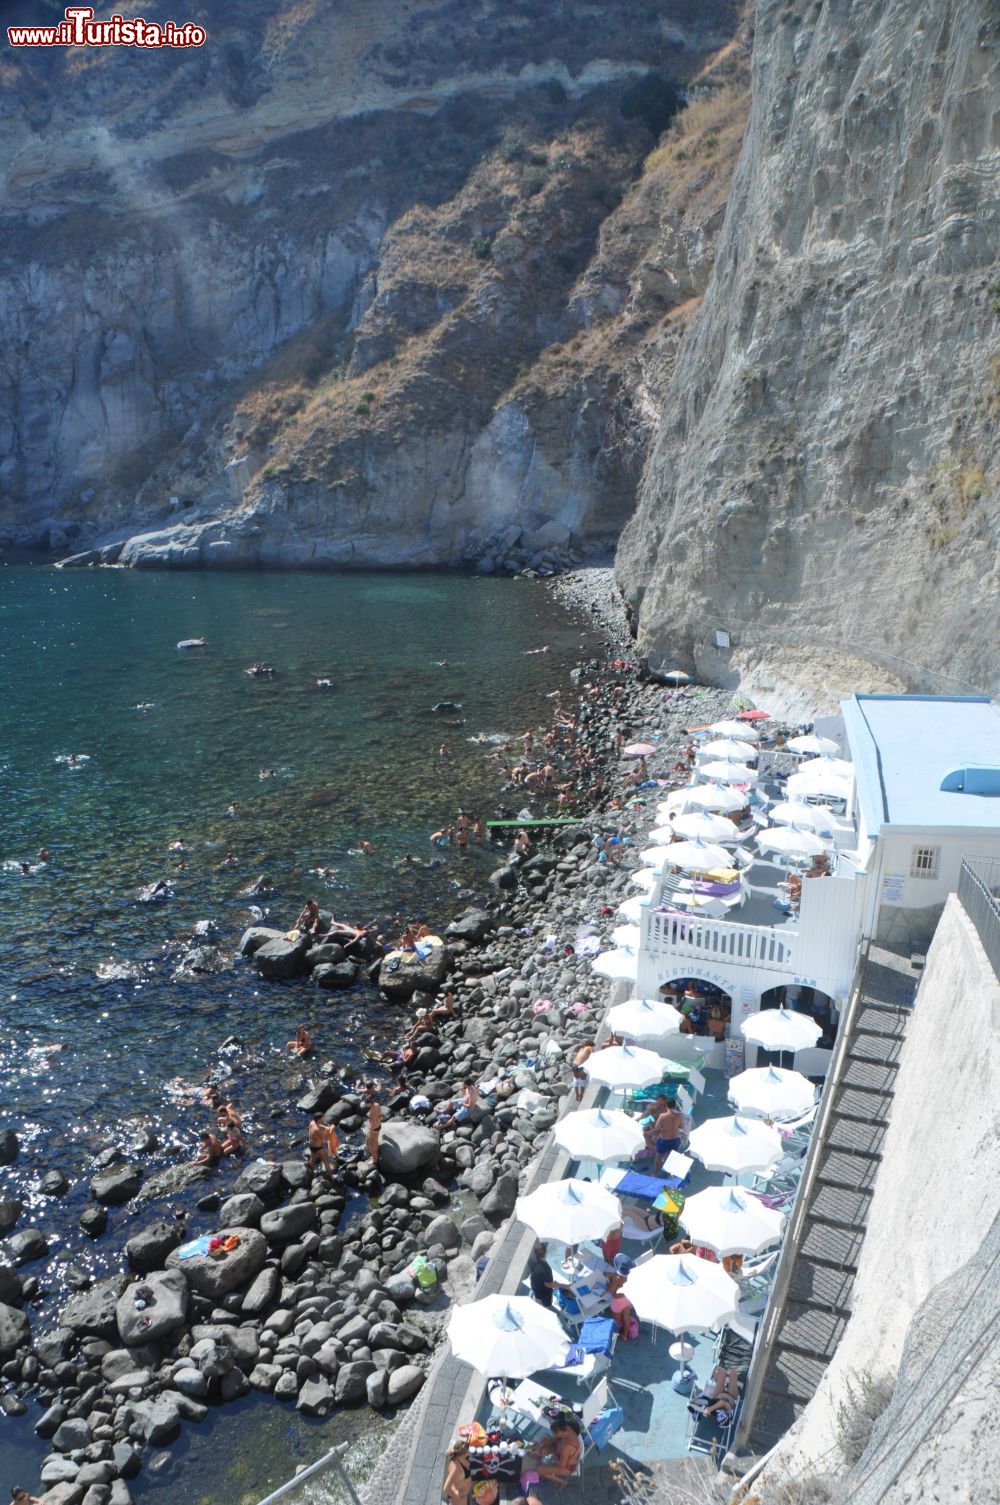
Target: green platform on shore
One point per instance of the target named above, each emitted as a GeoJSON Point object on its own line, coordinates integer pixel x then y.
{"type": "Point", "coordinates": [546, 820]}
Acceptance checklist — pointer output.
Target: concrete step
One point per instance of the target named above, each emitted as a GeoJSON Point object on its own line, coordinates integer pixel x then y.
{"type": "Point", "coordinates": [856, 1136]}
{"type": "Point", "coordinates": [881, 1019]}
{"type": "Point", "coordinates": [843, 1208]}
{"type": "Point", "coordinates": [840, 1247]}
{"type": "Point", "coordinates": [883, 1050]}
{"type": "Point", "coordinates": [868, 1076]}
{"type": "Point", "coordinates": [821, 1286]}
{"type": "Point", "coordinates": [793, 1374]}
{"type": "Point", "coordinates": [775, 1414]}
{"type": "Point", "coordinates": [868, 1107]}
{"type": "Point", "coordinates": [811, 1330]}
{"type": "Point", "coordinates": [856, 1172]}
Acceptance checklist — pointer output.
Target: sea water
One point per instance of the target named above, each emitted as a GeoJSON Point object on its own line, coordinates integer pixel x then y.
{"type": "Point", "coordinates": [95, 1021]}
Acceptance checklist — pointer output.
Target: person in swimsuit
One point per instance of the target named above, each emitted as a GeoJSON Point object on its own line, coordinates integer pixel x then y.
{"type": "Point", "coordinates": [458, 1474]}
{"type": "Point", "coordinates": [302, 1044]}
{"type": "Point", "coordinates": [667, 1133]}
{"type": "Point", "coordinates": [211, 1150]}
{"type": "Point", "coordinates": [319, 1151]}
{"type": "Point", "coordinates": [621, 1307]}
{"type": "Point", "coordinates": [557, 1457]}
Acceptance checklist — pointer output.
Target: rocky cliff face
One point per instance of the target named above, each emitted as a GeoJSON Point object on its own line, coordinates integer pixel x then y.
{"type": "Point", "coordinates": [825, 478]}
{"type": "Point", "coordinates": [356, 282]}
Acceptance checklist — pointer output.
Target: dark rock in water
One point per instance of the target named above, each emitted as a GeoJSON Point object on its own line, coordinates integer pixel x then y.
{"type": "Point", "coordinates": [9, 1146]}
{"type": "Point", "coordinates": [52, 1348]}
{"type": "Point", "coordinates": [10, 1211]}
{"type": "Point", "coordinates": [240, 1211]}
{"type": "Point", "coordinates": [92, 1313]}
{"type": "Point", "coordinates": [214, 1277]}
{"type": "Point", "coordinates": [11, 1404]}
{"type": "Point", "coordinates": [504, 877]}
{"type": "Point", "coordinates": [154, 893]}
{"type": "Point", "coordinates": [25, 1246]}
{"type": "Point", "coordinates": [499, 1202]}
{"type": "Point", "coordinates": [54, 1184]}
{"type": "Point", "coordinates": [295, 1174]}
{"type": "Point", "coordinates": [342, 975]}
{"type": "Point", "coordinates": [404, 1384]}
{"type": "Point", "coordinates": [157, 1421]}
{"type": "Point", "coordinates": [15, 1330]}
{"type": "Point", "coordinates": [210, 1202]}
{"type": "Point", "coordinates": [51, 1420]}
{"type": "Point", "coordinates": [10, 1287]}
{"type": "Point", "coordinates": [151, 1309]}
{"type": "Point", "coordinates": [260, 888]}
{"type": "Point", "coordinates": [262, 1292]}
{"type": "Point", "coordinates": [175, 1179]}
{"type": "Point", "coordinates": [319, 1097]}
{"type": "Point", "coordinates": [405, 972]}
{"type": "Point", "coordinates": [315, 1398]}
{"type": "Point", "coordinates": [280, 959]}
{"type": "Point", "coordinates": [116, 1186]}
{"type": "Point", "coordinates": [257, 936]}
{"type": "Point", "coordinates": [126, 1460]}
{"type": "Point", "coordinates": [263, 1180]}
{"type": "Point", "coordinates": [327, 954]}
{"type": "Point", "coordinates": [148, 1249]}
{"type": "Point", "coordinates": [405, 1148]}
{"type": "Point", "coordinates": [472, 927]}
{"type": "Point", "coordinates": [442, 707]}
{"type": "Point", "coordinates": [201, 960]}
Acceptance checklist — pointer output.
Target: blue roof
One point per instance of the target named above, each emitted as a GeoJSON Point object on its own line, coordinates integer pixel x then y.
{"type": "Point", "coordinates": [905, 746]}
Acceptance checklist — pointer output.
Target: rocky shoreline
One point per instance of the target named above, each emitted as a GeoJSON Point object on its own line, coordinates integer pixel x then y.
{"type": "Point", "coordinates": [314, 1307]}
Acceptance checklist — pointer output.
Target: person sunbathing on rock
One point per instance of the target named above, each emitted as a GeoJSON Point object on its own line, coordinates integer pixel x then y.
{"type": "Point", "coordinates": [211, 1150]}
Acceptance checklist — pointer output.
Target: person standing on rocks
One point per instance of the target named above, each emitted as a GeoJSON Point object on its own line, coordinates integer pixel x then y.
{"type": "Point", "coordinates": [372, 1130]}
{"type": "Point", "coordinates": [319, 1145]}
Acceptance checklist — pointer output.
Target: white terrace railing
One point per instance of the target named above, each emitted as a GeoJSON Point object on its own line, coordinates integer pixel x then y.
{"type": "Point", "coordinates": [744, 945]}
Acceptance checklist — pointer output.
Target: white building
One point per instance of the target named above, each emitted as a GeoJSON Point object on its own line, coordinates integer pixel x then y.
{"type": "Point", "coordinates": [925, 793]}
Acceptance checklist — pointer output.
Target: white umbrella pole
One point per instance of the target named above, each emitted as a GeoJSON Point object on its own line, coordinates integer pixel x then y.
{"type": "Point", "coordinates": [683, 1378]}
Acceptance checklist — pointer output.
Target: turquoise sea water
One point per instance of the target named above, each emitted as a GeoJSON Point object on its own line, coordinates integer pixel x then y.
{"type": "Point", "coordinates": [93, 1022]}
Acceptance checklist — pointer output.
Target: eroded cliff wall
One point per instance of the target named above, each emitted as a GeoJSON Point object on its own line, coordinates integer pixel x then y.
{"type": "Point", "coordinates": [824, 482]}
{"type": "Point", "coordinates": [357, 281]}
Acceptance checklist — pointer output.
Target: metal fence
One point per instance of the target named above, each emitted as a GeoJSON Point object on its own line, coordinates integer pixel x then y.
{"type": "Point", "coordinates": [979, 896]}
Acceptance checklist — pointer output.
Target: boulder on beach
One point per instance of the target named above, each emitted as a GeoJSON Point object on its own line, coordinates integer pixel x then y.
{"type": "Point", "coordinates": [403, 973]}
{"type": "Point", "coordinates": [281, 958]}
{"type": "Point", "coordinates": [116, 1186]}
{"type": "Point", "coordinates": [27, 1245]}
{"type": "Point", "coordinates": [172, 1181]}
{"type": "Point", "coordinates": [472, 927]}
{"type": "Point", "coordinates": [147, 1250]}
{"type": "Point", "coordinates": [215, 1277]}
{"type": "Point", "coordinates": [91, 1314]}
{"type": "Point", "coordinates": [15, 1330]}
{"type": "Point", "coordinates": [262, 1178]}
{"type": "Point", "coordinates": [10, 1211]}
{"type": "Point", "coordinates": [335, 976]}
{"type": "Point", "coordinates": [405, 1148]}
{"type": "Point", "coordinates": [257, 936]}
{"type": "Point", "coordinates": [150, 1309]}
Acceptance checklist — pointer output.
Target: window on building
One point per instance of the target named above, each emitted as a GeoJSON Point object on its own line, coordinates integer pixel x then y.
{"type": "Point", "coordinates": [924, 862]}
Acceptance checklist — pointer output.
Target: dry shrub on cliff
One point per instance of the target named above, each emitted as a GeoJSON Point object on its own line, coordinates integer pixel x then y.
{"type": "Point", "coordinates": [858, 1412]}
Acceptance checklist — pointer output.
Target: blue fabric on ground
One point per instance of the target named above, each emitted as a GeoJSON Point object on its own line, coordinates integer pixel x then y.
{"type": "Point", "coordinates": [196, 1246]}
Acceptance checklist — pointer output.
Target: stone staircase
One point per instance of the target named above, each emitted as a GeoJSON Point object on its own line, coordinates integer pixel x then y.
{"type": "Point", "coordinates": [818, 1301]}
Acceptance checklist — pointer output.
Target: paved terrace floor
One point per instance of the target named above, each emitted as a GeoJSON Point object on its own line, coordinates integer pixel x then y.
{"type": "Point", "coordinates": [656, 1417]}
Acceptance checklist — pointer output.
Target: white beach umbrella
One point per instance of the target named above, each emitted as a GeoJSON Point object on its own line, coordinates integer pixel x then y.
{"type": "Point", "coordinates": [644, 1018]}
{"type": "Point", "coordinates": [797, 813]}
{"type": "Point", "coordinates": [821, 747]}
{"type": "Point", "coordinates": [727, 773]}
{"type": "Point", "coordinates": [644, 878]}
{"type": "Point", "coordinates": [623, 1066]}
{"type": "Point", "coordinates": [570, 1211]}
{"type": "Point", "coordinates": [599, 1134]}
{"type": "Point", "coordinates": [626, 937]}
{"type": "Point", "coordinates": [509, 1336]}
{"type": "Point", "coordinates": [655, 857]}
{"type": "Point", "coordinates": [620, 966]}
{"type": "Point", "coordinates": [662, 835]}
{"type": "Point", "coordinates": [630, 910]}
{"type": "Point", "coordinates": [735, 1145]}
{"type": "Point", "coordinates": [729, 750]}
{"type": "Point", "coordinates": [697, 856]}
{"type": "Point", "coordinates": [781, 1029]}
{"type": "Point", "coordinates": [700, 825]}
{"type": "Point", "coordinates": [681, 1292]}
{"type": "Point", "coordinates": [742, 730]}
{"type": "Point", "coordinates": [772, 1092]}
{"type": "Point", "coordinates": [713, 797]}
{"type": "Point", "coordinates": [802, 786]}
{"type": "Point", "coordinates": [826, 766]}
{"type": "Point", "coordinates": [730, 1221]}
{"type": "Point", "coordinates": [790, 841]}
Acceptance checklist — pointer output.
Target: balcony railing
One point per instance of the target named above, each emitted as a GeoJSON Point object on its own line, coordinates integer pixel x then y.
{"type": "Point", "coordinates": [744, 945]}
{"type": "Point", "coordinates": [979, 896]}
